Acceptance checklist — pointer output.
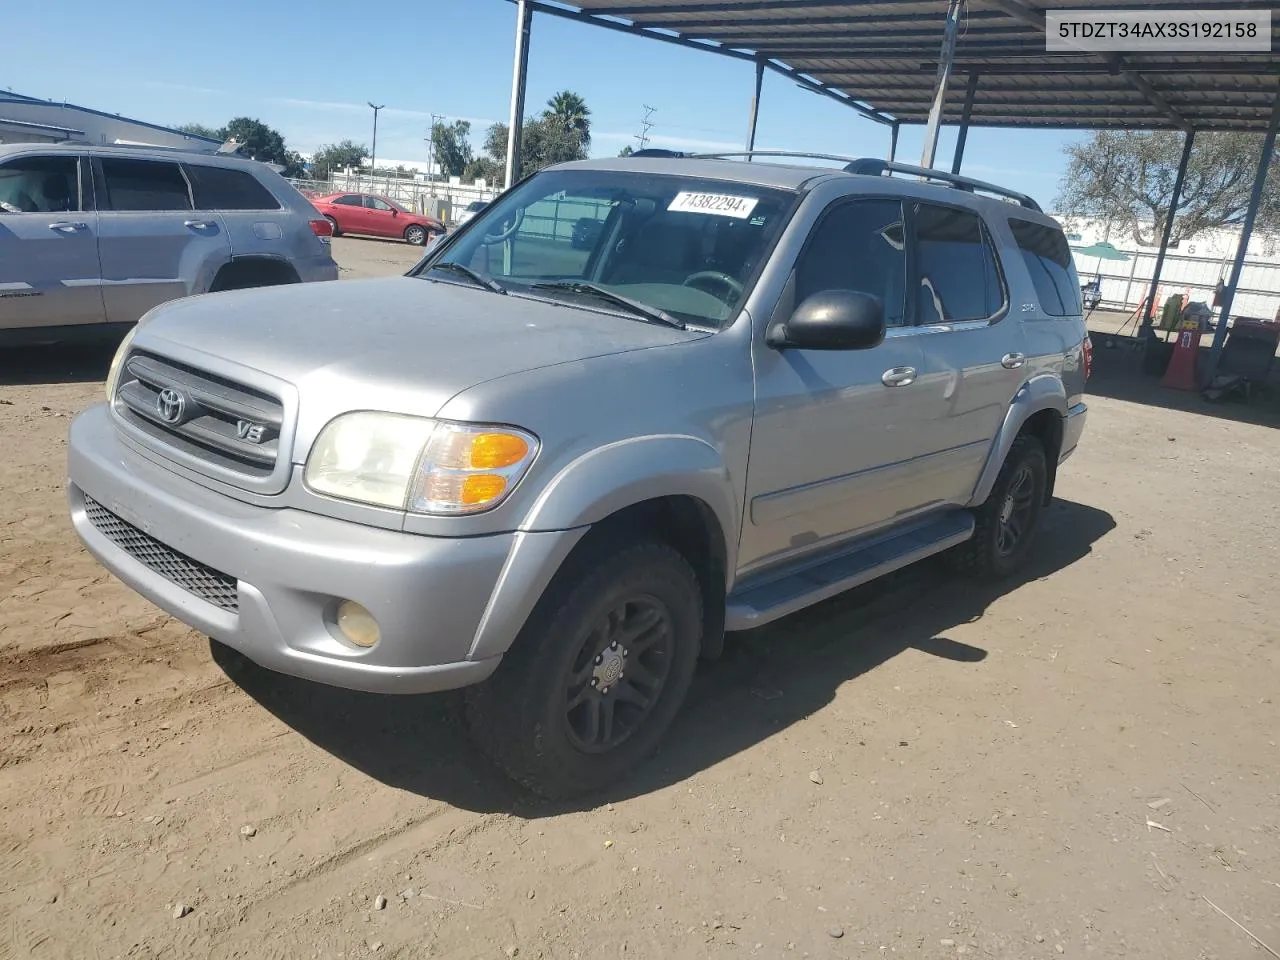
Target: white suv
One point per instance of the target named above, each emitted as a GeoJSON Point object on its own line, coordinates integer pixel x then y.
{"type": "Point", "coordinates": [91, 238]}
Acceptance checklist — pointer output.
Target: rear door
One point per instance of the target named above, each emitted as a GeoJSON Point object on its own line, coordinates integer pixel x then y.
{"type": "Point", "coordinates": [154, 246]}
{"type": "Point", "coordinates": [348, 210]}
{"type": "Point", "coordinates": [255, 221]}
{"type": "Point", "coordinates": [49, 272]}
{"type": "Point", "coordinates": [974, 358]}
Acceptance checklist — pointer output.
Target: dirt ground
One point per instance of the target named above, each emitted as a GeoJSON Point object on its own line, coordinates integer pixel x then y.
{"type": "Point", "coordinates": [1080, 764]}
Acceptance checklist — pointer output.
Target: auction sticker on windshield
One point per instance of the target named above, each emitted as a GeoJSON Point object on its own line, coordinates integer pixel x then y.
{"type": "Point", "coordinates": [719, 204]}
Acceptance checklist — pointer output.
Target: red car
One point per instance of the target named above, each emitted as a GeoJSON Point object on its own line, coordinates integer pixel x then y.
{"type": "Point", "coordinates": [376, 217]}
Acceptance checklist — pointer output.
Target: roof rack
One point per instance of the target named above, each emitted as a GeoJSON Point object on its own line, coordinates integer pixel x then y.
{"type": "Point", "coordinates": [870, 167]}
{"type": "Point", "coordinates": [879, 168]}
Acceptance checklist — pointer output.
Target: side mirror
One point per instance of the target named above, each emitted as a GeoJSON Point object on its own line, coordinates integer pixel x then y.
{"type": "Point", "coordinates": [832, 320]}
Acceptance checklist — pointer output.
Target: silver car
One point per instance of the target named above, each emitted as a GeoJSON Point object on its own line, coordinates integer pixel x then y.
{"type": "Point", "coordinates": [557, 476]}
{"type": "Point", "coordinates": [93, 238]}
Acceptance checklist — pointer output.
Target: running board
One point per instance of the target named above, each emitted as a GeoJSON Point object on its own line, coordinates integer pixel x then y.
{"type": "Point", "coordinates": [756, 603]}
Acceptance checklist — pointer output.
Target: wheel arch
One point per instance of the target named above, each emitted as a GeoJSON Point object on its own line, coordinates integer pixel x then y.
{"type": "Point", "coordinates": [1038, 409]}
{"type": "Point", "coordinates": [673, 489]}
{"type": "Point", "coordinates": [239, 273]}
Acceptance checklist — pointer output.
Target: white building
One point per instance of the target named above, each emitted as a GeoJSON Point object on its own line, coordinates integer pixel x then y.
{"type": "Point", "coordinates": [1192, 268]}
{"type": "Point", "coordinates": [26, 119]}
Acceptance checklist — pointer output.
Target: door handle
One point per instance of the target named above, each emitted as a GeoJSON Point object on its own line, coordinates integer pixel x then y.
{"type": "Point", "coordinates": [197, 224]}
{"type": "Point", "coordinates": [1012, 361]}
{"type": "Point", "coordinates": [899, 377]}
{"type": "Point", "coordinates": [66, 226]}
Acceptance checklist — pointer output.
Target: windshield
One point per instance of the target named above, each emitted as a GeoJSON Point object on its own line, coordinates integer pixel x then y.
{"type": "Point", "coordinates": [690, 248]}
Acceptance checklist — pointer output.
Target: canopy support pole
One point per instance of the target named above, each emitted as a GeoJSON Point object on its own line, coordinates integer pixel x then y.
{"type": "Point", "coordinates": [945, 60]}
{"type": "Point", "coordinates": [969, 93]}
{"type": "Point", "coordinates": [755, 107]}
{"type": "Point", "coordinates": [1255, 200]}
{"type": "Point", "coordinates": [1188, 140]}
{"type": "Point", "coordinates": [893, 142]}
{"type": "Point", "coordinates": [519, 80]}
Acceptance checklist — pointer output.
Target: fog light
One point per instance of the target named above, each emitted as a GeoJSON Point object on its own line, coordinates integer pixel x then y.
{"type": "Point", "coordinates": [357, 624]}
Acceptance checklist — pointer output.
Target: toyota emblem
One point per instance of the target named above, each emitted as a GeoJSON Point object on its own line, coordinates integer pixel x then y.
{"type": "Point", "coordinates": [171, 405]}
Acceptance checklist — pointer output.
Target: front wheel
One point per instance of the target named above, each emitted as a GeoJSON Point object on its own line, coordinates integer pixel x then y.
{"type": "Point", "coordinates": [597, 674]}
{"type": "Point", "coordinates": [1006, 523]}
{"type": "Point", "coordinates": [417, 235]}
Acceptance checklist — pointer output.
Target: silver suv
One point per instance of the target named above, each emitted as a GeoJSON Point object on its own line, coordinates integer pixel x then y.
{"type": "Point", "coordinates": [557, 474]}
{"type": "Point", "coordinates": [91, 238]}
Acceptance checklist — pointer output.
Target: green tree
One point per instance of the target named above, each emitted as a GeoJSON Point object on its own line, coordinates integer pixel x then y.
{"type": "Point", "coordinates": [626, 151]}
{"type": "Point", "coordinates": [452, 146]}
{"type": "Point", "coordinates": [333, 158]}
{"type": "Point", "coordinates": [569, 111]}
{"type": "Point", "coordinates": [543, 142]}
{"type": "Point", "coordinates": [1126, 179]}
{"type": "Point", "coordinates": [261, 142]}
{"type": "Point", "coordinates": [484, 168]}
{"type": "Point", "coordinates": [200, 130]}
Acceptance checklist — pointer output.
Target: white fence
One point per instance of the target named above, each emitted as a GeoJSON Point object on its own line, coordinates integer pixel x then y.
{"type": "Point", "coordinates": [1125, 285]}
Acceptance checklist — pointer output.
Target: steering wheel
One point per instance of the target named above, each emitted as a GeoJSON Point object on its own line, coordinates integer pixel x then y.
{"type": "Point", "coordinates": [729, 283]}
{"type": "Point", "coordinates": [489, 239]}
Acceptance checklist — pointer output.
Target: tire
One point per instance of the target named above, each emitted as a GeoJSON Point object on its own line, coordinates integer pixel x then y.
{"type": "Point", "coordinates": [523, 717]}
{"type": "Point", "coordinates": [333, 224]}
{"type": "Point", "coordinates": [989, 554]}
{"type": "Point", "coordinates": [417, 235]}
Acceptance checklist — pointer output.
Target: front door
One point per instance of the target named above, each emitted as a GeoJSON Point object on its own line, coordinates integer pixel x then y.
{"type": "Point", "coordinates": [836, 432]}
{"type": "Point", "coordinates": [383, 219]}
{"type": "Point", "coordinates": [154, 246]}
{"type": "Point", "coordinates": [49, 272]}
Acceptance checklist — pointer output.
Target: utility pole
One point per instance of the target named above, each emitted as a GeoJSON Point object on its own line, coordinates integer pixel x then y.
{"type": "Point", "coordinates": [373, 160]}
{"type": "Point", "coordinates": [431, 150]}
{"type": "Point", "coordinates": [645, 126]}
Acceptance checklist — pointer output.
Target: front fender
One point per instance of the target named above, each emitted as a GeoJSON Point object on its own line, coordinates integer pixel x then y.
{"type": "Point", "coordinates": [588, 490]}
{"type": "Point", "coordinates": [1039, 393]}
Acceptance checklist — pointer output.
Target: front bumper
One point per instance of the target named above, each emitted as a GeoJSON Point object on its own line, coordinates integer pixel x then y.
{"type": "Point", "coordinates": [267, 581]}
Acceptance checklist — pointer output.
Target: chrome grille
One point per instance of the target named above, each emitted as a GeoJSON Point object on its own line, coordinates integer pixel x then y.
{"type": "Point", "coordinates": [205, 416]}
{"type": "Point", "coordinates": [205, 582]}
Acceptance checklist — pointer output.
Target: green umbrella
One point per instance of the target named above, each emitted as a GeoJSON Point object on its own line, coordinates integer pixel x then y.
{"type": "Point", "coordinates": [1103, 251]}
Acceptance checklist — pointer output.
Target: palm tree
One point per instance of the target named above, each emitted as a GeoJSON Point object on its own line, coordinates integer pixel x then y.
{"type": "Point", "coordinates": [570, 111]}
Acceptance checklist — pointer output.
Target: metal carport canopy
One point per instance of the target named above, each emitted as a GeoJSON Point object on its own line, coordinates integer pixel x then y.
{"type": "Point", "coordinates": [882, 57]}
{"type": "Point", "coordinates": [893, 61]}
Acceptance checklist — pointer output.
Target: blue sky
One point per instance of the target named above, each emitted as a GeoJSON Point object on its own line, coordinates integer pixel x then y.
{"type": "Point", "coordinates": [309, 71]}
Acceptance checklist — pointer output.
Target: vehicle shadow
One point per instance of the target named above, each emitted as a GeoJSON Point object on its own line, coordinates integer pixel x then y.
{"type": "Point", "coordinates": [767, 680]}
{"type": "Point", "coordinates": [57, 363]}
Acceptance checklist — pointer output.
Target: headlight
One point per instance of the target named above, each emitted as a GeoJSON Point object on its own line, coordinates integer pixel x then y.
{"type": "Point", "coordinates": [418, 465]}
{"type": "Point", "coordinates": [113, 371]}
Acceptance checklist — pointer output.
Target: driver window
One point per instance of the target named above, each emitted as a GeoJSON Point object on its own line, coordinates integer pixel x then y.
{"type": "Point", "coordinates": [859, 246]}
{"type": "Point", "coordinates": [39, 185]}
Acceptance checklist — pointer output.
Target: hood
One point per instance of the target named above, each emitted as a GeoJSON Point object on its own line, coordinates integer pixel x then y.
{"type": "Point", "coordinates": [399, 344]}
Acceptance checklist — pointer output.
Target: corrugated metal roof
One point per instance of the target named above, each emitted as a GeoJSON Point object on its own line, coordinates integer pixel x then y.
{"type": "Point", "coordinates": [883, 54]}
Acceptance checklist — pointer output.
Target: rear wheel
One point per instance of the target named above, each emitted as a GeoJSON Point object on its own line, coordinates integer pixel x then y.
{"type": "Point", "coordinates": [1006, 523]}
{"type": "Point", "coordinates": [597, 675]}
{"type": "Point", "coordinates": [416, 234]}
{"type": "Point", "coordinates": [333, 224]}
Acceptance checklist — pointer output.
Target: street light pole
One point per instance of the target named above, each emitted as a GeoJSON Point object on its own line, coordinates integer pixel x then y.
{"type": "Point", "coordinates": [373, 160]}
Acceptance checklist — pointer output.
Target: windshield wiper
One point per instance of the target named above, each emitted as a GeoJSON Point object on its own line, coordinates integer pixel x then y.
{"type": "Point", "coordinates": [476, 275]}
{"type": "Point", "coordinates": [595, 290]}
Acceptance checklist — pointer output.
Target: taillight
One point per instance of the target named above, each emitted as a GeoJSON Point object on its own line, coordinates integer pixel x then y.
{"type": "Point", "coordinates": [1088, 356]}
{"type": "Point", "coordinates": [322, 228]}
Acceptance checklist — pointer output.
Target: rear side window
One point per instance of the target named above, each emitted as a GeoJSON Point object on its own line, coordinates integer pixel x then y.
{"type": "Point", "coordinates": [144, 185]}
{"type": "Point", "coordinates": [220, 188]}
{"type": "Point", "coordinates": [1047, 255]}
{"type": "Point", "coordinates": [959, 277]}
